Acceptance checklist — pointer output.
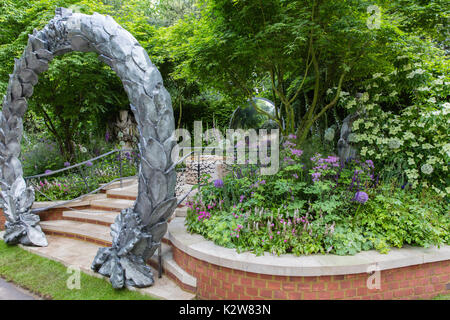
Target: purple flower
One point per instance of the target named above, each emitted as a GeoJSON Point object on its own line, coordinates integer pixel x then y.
{"type": "Point", "coordinates": [107, 136]}
{"type": "Point", "coordinates": [370, 163]}
{"type": "Point", "coordinates": [48, 171]}
{"type": "Point", "coordinates": [89, 164]}
{"type": "Point", "coordinates": [297, 152]}
{"type": "Point", "coordinates": [292, 136]}
{"type": "Point", "coordinates": [316, 176]}
{"type": "Point", "coordinates": [361, 197]}
{"type": "Point", "coordinates": [218, 183]}
{"type": "Point", "coordinates": [67, 164]}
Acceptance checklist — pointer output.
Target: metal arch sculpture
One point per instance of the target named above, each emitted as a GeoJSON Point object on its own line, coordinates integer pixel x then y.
{"type": "Point", "coordinates": [137, 231]}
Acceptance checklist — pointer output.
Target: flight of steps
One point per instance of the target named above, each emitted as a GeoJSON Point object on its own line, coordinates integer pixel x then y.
{"type": "Point", "coordinates": [93, 225]}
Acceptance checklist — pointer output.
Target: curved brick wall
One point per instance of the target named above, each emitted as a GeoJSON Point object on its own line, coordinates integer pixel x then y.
{"type": "Point", "coordinates": [422, 281]}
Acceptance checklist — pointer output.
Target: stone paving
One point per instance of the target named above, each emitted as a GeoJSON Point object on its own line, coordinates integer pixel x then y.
{"type": "Point", "coordinates": [71, 252]}
{"type": "Point", "coordinates": [9, 291]}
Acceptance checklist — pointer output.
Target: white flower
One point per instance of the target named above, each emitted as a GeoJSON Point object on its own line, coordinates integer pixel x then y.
{"type": "Point", "coordinates": [427, 169]}
{"type": "Point", "coordinates": [365, 97]}
{"type": "Point", "coordinates": [446, 149]}
{"type": "Point", "coordinates": [423, 89]}
{"type": "Point", "coordinates": [411, 75]}
{"type": "Point", "coordinates": [83, 149]}
{"type": "Point", "coordinates": [351, 137]}
{"type": "Point", "coordinates": [343, 94]}
{"type": "Point", "coordinates": [411, 161]}
{"type": "Point", "coordinates": [438, 82]}
{"type": "Point", "coordinates": [432, 100]}
{"type": "Point", "coordinates": [377, 75]}
{"type": "Point", "coordinates": [329, 91]}
{"type": "Point", "coordinates": [407, 67]}
{"type": "Point", "coordinates": [394, 143]}
{"type": "Point", "coordinates": [402, 57]}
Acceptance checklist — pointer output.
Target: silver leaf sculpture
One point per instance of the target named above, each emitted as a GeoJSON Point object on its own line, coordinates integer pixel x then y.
{"type": "Point", "coordinates": [137, 231]}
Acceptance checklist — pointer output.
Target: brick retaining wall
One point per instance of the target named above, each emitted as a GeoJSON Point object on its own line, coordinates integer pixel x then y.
{"type": "Point", "coordinates": [422, 281]}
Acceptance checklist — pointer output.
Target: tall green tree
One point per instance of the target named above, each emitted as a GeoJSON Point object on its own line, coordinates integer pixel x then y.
{"type": "Point", "coordinates": [292, 51]}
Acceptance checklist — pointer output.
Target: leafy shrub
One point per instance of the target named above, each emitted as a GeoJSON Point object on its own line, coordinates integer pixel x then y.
{"type": "Point", "coordinates": [43, 155]}
{"type": "Point", "coordinates": [330, 208]}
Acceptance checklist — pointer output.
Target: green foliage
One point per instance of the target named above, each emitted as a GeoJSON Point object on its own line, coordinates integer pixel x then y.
{"type": "Point", "coordinates": [316, 210]}
{"type": "Point", "coordinates": [42, 155]}
{"type": "Point", "coordinates": [48, 278]}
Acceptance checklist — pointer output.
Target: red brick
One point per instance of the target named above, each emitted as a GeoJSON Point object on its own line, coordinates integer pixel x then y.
{"type": "Point", "coordinates": [304, 286]}
{"type": "Point", "coordinates": [222, 293]}
{"type": "Point", "coordinates": [338, 295]}
{"type": "Point", "coordinates": [404, 284]}
{"type": "Point", "coordinates": [295, 295]}
{"type": "Point", "coordinates": [318, 286]}
{"type": "Point", "coordinates": [251, 291]}
{"type": "Point", "coordinates": [266, 293]}
{"type": "Point", "coordinates": [233, 296]}
{"type": "Point", "coordinates": [420, 273]}
{"type": "Point", "coordinates": [350, 293]}
{"type": "Point", "coordinates": [358, 283]}
{"type": "Point", "coordinates": [227, 285]}
{"type": "Point", "coordinates": [251, 275]}
{"type": "Point", "coordinates": [421, 282]}
{"type": "Point", "coordinates": [266, 276]}
{"type": "Point", "coordinates": [399, 276]}
{"type": "Point", "coordinates": [310, 279]}
{"type": "Point", "coordinates": [332, 286]}
{"type": "Point", "coordinates": [393, 285]}
{"type": "Point", "coordinates": [339, 278]}
{"type": "Point", "coordinates": [345, 284]}
{"type": "Point", "coordinates": [435, 280]}
{"type": "Point", "coordinates": [280, 295]}
{"type": "Point", "coordinates": [325, 295]}
{"type": "Point", "coordinates": [361, 291]}
{"type": "Point", "coordinates": [288, 286]}
{"type": "Point", "coordinates": [233, 278]}
{"type": "Point", "coordinates": [310, 296]}
{"type": "Point", "coordinates": [247, 282]}
{"type": "Point", "coordinates": [419, 290]}
{"type": "Point", "coordinates": [444, 278]}
{"type": "Point", "coordinates": [388, 295]}
{"type": "Point", "coordinates": [274, 285]}
{"type": "Point", "coordinates": [238, 289]}
{"type": "Point", "coordinates": [259, 283]}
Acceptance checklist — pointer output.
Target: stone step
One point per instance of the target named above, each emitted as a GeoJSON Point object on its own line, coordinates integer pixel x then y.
{"type": "Point", "coordinates": [95, 233]}
{"type": "Point", "coordinates": [125, 183]}
{"type": "Point", "coordinates": [112, 204]}
{"type": "Point", "coordinates": [71, 252]}
{"type": "Point", "coordinates": [91, 216]}
{"type": "Point", "coordinates": [181, 211]}
{"type": "Point", "coordinates": [171, 268]}
{"type": "Point", "coordinates": [128, 193]}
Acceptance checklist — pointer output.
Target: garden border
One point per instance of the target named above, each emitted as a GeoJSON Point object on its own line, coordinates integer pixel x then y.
{"type": "Point", "coordinates": [222, 273]}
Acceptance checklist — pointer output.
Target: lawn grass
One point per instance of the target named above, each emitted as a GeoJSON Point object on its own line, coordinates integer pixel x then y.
{"type": "Point", "coordinates": [442, 297]}
{"type": "Point", "coordinates": [48, 278]}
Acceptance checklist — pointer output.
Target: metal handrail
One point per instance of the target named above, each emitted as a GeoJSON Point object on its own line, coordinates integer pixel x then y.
{"type": "Point", "coordinates": [78, 164]}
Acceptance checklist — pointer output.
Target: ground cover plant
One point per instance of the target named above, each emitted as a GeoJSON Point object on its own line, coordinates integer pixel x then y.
{"type": "Point", "coordinates": [48, 279]}
{"type": "Point", "coordinates": [317, 205]}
